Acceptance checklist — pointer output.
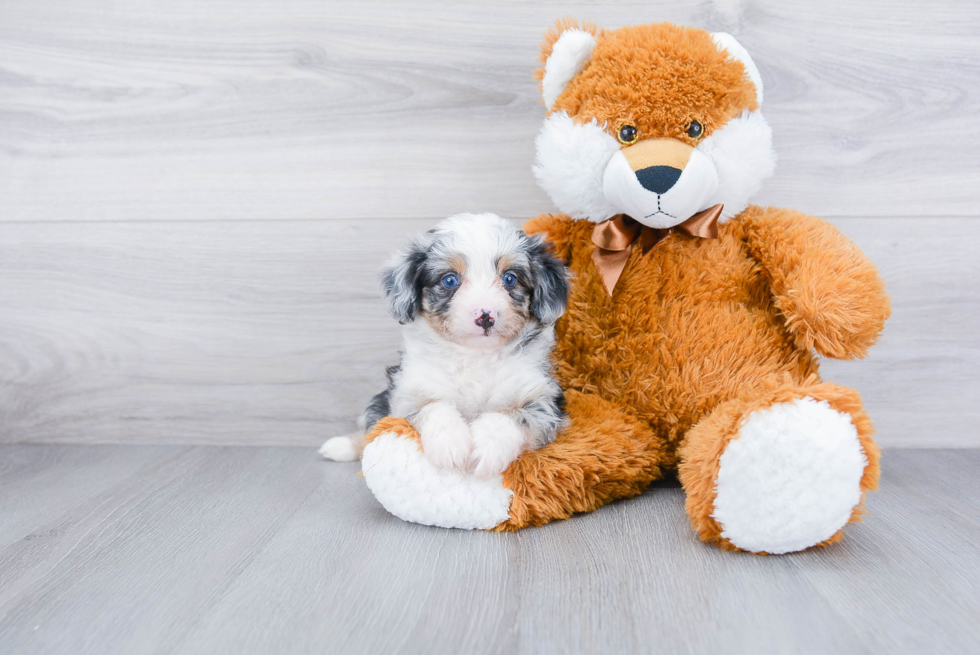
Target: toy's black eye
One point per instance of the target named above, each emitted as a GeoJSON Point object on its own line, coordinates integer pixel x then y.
{"type": "Point", "coordinates": [628, 134]}
{"type": "Point", "coordinates": [695, 130]}
{"type": "Point", "coordinates": [450, 281]}
{"type": "Point", "coordinates": [509, 279]}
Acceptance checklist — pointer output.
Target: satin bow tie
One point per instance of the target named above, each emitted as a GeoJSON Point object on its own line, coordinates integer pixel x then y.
{"type": "Point", "coordinates": [615, 237]}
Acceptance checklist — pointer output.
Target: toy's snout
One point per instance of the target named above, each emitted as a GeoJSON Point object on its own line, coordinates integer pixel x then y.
{"type": "Point", "coordinates": [658, 163]}
{"type": "Point", "coordinates": [660, 181]}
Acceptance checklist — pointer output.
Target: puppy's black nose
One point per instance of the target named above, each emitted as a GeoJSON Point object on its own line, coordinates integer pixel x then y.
{"type": "Point", "coordinates": [658, 179]}
{"type": "Point", "coordinates": [485, 321]}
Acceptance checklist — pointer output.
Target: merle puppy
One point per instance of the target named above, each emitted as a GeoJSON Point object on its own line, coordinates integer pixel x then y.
{"type": "Point", "coordinates": [478, 299]}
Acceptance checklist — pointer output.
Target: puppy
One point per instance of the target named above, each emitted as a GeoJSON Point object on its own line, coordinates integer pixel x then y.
{"type": "Point", "coordinates": [478, 299]}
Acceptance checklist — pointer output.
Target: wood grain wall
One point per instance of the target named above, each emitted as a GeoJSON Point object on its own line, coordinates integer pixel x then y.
{"type": "Point", "coordinates": [195, 197]}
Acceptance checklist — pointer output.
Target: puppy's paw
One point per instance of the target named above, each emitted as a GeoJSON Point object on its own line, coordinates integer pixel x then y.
{"type": "Point", "coordinates": [339, 449]}
{"type": "Point", "coordinates": [497, 441]}
{"type": "Point", "coordinates": [446, 439]}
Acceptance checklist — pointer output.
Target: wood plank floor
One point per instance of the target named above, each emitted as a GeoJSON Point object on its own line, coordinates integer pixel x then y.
{"type": "Point", "coordinates": [196, 549]}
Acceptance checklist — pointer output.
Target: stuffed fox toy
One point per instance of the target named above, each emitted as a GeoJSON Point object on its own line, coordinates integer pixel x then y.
{"type": "Point", "coordinates": [695, 319]}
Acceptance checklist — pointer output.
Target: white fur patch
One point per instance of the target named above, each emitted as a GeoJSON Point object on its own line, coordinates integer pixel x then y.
{"type": "Point", "coordinates": [339, 449]}
{"type": "Point", "coordinates": [697, 183]}
{"type": "Point", "coordinates": [497, 441]}
{"type": "Point", "coordinates": [743, 157]}
{"type": "Point", "coordinates": [570, 161]}
{"type": "Point", "coordinates": [728, 43]}
{"type": "Point", "coordinates": [445, 435]}
{"type": "Point", "coordinates": [791, 479]}
{"type": "Point", "coordinates": [568, 57]}
{"type": "Point", "coordinates": [573, 164]}
{"type": "Point", "coordinates": [409, 487]}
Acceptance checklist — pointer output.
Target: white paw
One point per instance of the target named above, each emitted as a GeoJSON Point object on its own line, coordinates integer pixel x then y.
{"type": "Point", "coordinates": [497, 441]}
{"type": "Point", "coordinates": [339, 449]}
{"type": "Point", "coordinates": [411, 488]}
{"type": "Point", "coordinates": [446, 439]}
{"type": "Point", "coordinates": [791, 479]}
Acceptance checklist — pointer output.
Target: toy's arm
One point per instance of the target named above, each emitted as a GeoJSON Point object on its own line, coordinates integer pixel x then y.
{"type": "Point", "coordinates": [829, 292]}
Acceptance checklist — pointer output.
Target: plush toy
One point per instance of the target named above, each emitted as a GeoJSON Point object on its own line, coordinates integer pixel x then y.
{"type": "Point", "coordinates": [695, 319]}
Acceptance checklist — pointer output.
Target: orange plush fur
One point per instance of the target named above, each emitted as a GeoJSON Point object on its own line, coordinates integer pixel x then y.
{"type": "Point", "coordinates": [698, 333]}
{"type": "Point", "coordinates": [625, 80]}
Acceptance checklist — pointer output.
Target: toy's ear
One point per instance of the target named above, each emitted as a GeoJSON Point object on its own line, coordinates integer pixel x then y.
{"type": "Point", "coordinates": [566, 50]}
{"type": "Point", "coordinates": [402, 282]}
{"type": "Point", "coordinates": [728, 43]}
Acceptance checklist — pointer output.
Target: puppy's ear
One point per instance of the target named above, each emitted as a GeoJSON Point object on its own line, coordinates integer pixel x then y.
{"type": "Point", "coordinates": [402, 282]}
{"type": "Point", "coordinates": [549, 295]}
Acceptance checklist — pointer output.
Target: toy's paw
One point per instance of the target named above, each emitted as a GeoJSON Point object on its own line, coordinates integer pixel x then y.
{"type": "Point", "coordinates": [446, 438]}
{"type": "Point", "coordinates": [792, 478]}
{"type": "Point", "coordinates": [339, 449]}
{"type": "Point", "coordinates": [407, 484]}
{"type": "Point", "coordinates": [497, 441]}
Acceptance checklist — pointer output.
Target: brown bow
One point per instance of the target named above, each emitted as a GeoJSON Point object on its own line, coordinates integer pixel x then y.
{"type": "Point", "coordinates": [614, 238]}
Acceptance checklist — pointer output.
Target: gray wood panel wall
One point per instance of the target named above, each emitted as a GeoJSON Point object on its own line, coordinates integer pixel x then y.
{"type": "Point", "coordinates": [195, 198]}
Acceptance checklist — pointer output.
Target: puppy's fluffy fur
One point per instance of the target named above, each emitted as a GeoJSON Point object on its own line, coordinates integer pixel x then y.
{"type": "Point", "coordinates": [478, 299]}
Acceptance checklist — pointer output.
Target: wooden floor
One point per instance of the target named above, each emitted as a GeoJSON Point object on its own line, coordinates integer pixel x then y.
{"type": "Point", "coordinates": [184, 549]}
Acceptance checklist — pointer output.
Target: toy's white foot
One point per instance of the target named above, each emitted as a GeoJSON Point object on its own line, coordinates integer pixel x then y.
{"type": "Point", "coordinates": [791, 479]}
{"type": "Point", "coordinates": [339, 449]}
{"type": "Point", "coordinates": [411, 488]}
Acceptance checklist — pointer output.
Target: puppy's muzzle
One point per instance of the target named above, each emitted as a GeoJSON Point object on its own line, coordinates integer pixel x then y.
{"type": "Point", "coordinates": [485, 321]}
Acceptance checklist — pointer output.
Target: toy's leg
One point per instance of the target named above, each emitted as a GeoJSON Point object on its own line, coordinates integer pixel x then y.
{"type": "Point", "coordinates": [780, 470]}
{"type": "Point", "coordinates": [603, 454]}
{"type": "Point", "coordinates": [407, 484]}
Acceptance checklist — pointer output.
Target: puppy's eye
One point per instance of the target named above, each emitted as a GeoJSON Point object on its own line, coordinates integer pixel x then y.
{"type": "Point", "coordinates": [695, 130]}
{"type": "Point", "coordinates": [509, 280]}
{"type": "Point", "coordinates": [450, 281]}
{"type": "Point", "coordinates": [628, 134]}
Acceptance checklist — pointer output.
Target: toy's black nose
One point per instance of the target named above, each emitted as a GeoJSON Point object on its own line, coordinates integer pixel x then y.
{"type": "Point", "coordinates": [485, 321]}
{"type": "Point", "coordinates": [658, 179]}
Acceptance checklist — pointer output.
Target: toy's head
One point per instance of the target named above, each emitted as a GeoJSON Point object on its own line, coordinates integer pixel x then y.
{"type": "Point", "coordinates": [657, 122]}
